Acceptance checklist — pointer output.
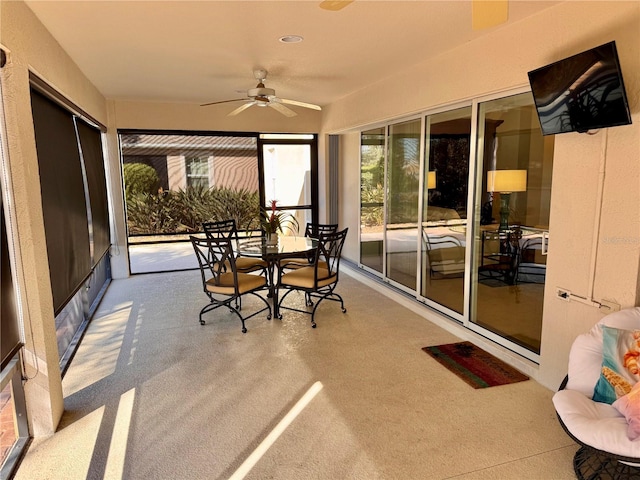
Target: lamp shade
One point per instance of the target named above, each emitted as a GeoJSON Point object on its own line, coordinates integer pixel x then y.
{"type": "Point", "coordinates": [506, 181]}
{"type": "Point", "coordinates": [431, 179]}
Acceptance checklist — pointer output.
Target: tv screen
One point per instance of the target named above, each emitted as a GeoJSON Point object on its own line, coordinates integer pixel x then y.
{"type": "Point", "coordinates": [581, 93]}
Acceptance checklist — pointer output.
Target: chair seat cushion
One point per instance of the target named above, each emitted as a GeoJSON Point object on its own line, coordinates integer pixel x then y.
{"type": "Point", "coordinates": [596, 424]}
{"type": "Point", "coordinates": [246, 283]}
{"type": "Point", "coordinates": [303, 278]}
{"type": "Point", "coordinates": [250, 263]}
{"type": "Point", "coordinates": [293, 262]}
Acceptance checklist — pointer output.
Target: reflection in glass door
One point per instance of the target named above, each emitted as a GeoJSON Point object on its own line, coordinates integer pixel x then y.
{"type": "Point", "coordinates": [444, 211]}
{"type": "Point", "coordinates": [403, 174]}
{"type": "Point", "coordinates": [512, 229]}
{"type": "Point", "coordinates": [372, 198]}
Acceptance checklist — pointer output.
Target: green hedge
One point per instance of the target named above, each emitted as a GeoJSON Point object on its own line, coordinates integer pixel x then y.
{"type": "Point", "coordinates": [140, 178]}
{"type": "Point", "coordinates": [184, 210]}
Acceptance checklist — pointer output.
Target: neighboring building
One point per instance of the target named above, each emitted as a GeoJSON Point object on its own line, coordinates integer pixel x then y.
{"type": "Point", "coordinates": [195, 160]}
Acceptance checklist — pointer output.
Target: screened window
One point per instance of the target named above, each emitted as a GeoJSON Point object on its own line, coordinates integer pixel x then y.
{"type": "Point", "coordinates": [175, 181]}
{"type": "Point", "coordinates": [197, 172]}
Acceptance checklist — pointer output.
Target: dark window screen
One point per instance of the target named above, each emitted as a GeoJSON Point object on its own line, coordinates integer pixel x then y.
{"type": "Point", "coordinates": [63, 200]}
{"type": "Point", "coordinates": [91, 145]}
{"type": "Point", "coordinates": [10, 332]}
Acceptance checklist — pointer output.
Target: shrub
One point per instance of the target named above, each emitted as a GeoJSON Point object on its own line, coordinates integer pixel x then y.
{"type": "Point", "coordinates": [185, 210]}
{"type": "Point", "coordinates": [151, 213]}
{"type": "Point", "coordinates": [140, 178]}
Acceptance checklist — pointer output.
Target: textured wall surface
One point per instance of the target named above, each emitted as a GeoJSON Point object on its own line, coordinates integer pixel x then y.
{"type": "Point", "coordinates": [594, 249]}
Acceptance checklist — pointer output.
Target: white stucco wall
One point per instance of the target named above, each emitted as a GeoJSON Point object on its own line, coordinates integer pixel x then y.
{"type": "Point", "coordinates": [186, 116]}
{"type": "Point", "coordinates": [31, 47]}
{"type": "Point", "coordinates": [500, 62]}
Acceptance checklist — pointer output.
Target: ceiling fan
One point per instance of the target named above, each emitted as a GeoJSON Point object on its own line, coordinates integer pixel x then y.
{"type": "Point", "coordinates": [262, 96]}
{"type": "Point", "coordinates": [485, 13]}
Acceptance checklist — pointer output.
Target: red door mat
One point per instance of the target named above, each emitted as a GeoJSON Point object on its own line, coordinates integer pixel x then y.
{"type": "Point", "coordinates": [475, 366]}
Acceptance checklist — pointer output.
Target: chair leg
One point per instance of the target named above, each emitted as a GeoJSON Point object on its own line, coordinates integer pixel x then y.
{"type": "Point", "coordinates": [205, 309]}
{"type": "Point", "coordinates": [233, 305]}
{"type": "Point", "coordinates": [331, 295]}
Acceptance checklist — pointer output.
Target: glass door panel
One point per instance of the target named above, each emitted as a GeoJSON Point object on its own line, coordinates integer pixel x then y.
{"type": "Point", "coordinates": [444, 210]}
{"type": "Point", "coordinates": [372, 198]}
{"type": "Point", "coordinates": [512, 231]}
{"type": "Point", "coordinates": [403, 172]}
{"type": "Point", "coordinates": [287, 179]}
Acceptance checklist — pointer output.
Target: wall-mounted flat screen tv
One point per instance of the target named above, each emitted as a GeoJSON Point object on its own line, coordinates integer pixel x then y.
{"type": "Point", "coordinates": [581, 93]}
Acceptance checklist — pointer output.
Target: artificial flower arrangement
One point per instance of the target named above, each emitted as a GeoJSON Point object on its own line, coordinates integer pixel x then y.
{"type": "Point", "coordinates": [273, 221]}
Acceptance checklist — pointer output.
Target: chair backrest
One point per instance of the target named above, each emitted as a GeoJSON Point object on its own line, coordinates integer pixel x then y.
{"type": "Point", "coordinates": [445, 253]}
{"type": "Point", "coordinates": [221, 229]}
{"type": "Point", "coordinates": [215, 258]}
{"type": "Point", "coordinates": [585, 356]}
{"type": "Point", "coordinates": [314, 230]}
{"type": "Point", "coordinates": [441, 241]}
{"type": "Point", "coordinates": [329, 252]}
{"type": "Point", "coordinates": [531, 251]}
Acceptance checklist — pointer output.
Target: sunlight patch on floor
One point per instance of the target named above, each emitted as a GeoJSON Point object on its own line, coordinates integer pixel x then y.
{"type": "Point", "coordinates": [102, 344]}
{"type": "Point", "coordinates": [270, 439]}
{"type": "Point", "coordinates": [119, 439]}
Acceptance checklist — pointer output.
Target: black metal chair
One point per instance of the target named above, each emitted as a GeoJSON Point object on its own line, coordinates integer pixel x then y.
{"type": "Point", "coordinates": [445, 254]}
{"type": "Point", "coordinates": [499, 257]}
{"type": "Point", "coordinates": [221, 280]}
{"type": "Point", "coordinates": [312, 230]}
{"type": "Point", "coordinates": [228, 229]}
{"type": "Point", "coordinates": [317, 280]}
{"type": "Point", "coordinates": [532, 265]}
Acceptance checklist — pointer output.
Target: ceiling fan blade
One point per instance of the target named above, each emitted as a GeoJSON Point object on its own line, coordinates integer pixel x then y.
{"type": "Point", "coordinates": [282, 109]}
{"type": "Point", "coordinates": [223, 101]}
{"type": "Point", "coordinates": [241, 108]}
{"type": "Point", "coordinates": [300, 104]}
{"type": "Point", "coordinates": [489, 13]}
{"type": "Point", "coordinates": [334, 5]}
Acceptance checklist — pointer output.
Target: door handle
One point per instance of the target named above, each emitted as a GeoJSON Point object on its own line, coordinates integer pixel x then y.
{"type": "Point", "coordinates": [545, 243]}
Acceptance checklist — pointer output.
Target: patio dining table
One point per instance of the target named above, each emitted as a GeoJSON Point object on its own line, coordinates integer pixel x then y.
{"type": "Point", "coordinates": [287, 246]}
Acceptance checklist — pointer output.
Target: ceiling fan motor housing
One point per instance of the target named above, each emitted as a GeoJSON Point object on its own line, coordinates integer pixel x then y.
{"type": "Point", "coordinates": [261, 92]}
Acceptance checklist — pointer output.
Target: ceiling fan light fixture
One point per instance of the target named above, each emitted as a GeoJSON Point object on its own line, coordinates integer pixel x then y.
{"type": "Point", "coordinates": [261, 100]}
{"type": "Point", "coordinates": [291, 39]}
{"type": "Point", "coordinates": [334, 5]}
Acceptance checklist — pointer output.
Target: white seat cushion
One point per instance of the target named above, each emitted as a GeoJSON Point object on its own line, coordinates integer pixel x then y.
{"type": "Point", "coordinates": [594, 423]}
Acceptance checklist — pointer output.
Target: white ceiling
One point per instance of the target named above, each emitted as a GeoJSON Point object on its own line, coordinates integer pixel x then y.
{"type": "Point", "coordinates": [204, 51]}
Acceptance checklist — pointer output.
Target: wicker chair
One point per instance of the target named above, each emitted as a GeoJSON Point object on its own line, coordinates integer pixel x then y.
{"type": "Point", "coordinates": [605, 452]}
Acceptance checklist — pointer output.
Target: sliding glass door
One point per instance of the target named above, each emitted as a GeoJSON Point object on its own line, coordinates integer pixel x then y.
{"type": "Point", "coordinates": [457, 205]}
{"type": "Point", "coordinates": [372, 154]}
{"type": "Point", "coordinates": [403, 173]}
{"type": "Point", "coordinates": [444, 209]}
{"type": "Point", "coordinates": [514, 163]}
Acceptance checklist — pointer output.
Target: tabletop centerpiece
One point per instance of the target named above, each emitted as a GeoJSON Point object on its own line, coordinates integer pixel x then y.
{"type": "Point", "coordinates": [273, 221]}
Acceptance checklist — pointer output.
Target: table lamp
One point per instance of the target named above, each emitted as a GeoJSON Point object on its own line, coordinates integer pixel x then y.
{"type": "Point", "coordinates": [431, 179]}
{"type": "Point", "coordinates": [506, 182]}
